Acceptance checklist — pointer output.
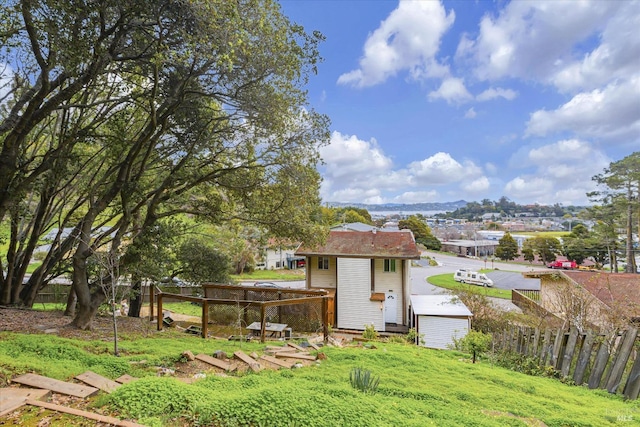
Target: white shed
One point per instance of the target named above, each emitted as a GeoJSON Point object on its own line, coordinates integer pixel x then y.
{"type": "Point", "coordinates": [438, 319]}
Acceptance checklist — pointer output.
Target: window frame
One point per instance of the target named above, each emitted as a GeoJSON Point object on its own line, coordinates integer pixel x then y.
{"type": "Point", "coordinates": [323, 263]}
{"type": "Point", "coordinates": [389, 265]}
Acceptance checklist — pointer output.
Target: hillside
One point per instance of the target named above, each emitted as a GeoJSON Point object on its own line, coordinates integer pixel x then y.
{"type": "Point", "coordinates": [418, 386]}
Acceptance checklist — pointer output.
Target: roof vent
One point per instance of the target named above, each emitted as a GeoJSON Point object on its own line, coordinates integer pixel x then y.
{"type": "Point", "coordinates": [374, 231]}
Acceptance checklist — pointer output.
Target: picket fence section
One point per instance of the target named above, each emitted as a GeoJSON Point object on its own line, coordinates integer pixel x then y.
{"type": "Point", "coordinates": [586, 358]}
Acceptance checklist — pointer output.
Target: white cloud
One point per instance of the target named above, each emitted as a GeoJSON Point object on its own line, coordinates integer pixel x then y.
{"type": "Point", "coordinates": [408, 39]}
{"type": "Point", "coordinates": [477, 186]}
{"type": "Point", "coordinates": [560, 173]}
{"type": "Point", "coordinates": [499, 92]}
{"type": "Point", "coordinates": [612, 113]}
{"type": "Point", "coordinates": [536, 39]}
{"type": "Point", "coordinates": [441, 168]}
{"type": "Point", "coordinates": [470, 114]}
{"type": "Point", "coordinates": [359, 171]}
{"type": "Point", "coordinates": [340, 153]}
{"type": "Point", "coordinates": [416, 197]}
{"type": "Point", "coordinates": [616, 57]}
{"type": "Point", "coordinates": [452, 90]}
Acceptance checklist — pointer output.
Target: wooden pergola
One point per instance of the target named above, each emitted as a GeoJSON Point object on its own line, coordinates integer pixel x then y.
{"type": "Point", "coordinates": [317, 296]}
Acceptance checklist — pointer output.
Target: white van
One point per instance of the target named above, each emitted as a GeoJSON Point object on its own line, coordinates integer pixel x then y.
{"type": "Point", "coordinates": [472, 277]}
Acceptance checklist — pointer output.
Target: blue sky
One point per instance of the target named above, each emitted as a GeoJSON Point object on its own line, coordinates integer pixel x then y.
{"type": "Point", "coordinates": [440, 101]}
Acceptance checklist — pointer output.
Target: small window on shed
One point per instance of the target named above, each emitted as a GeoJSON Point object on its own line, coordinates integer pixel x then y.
{"type": "Point", "coordinates": [323, 263]}
{"type": "Point", "coordinates": [389, 265]}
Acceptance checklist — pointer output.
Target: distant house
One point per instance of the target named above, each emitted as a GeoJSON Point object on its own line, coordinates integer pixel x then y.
{"type": "Point", "coordinates": [278, 255]}
{"type": "Point", "coordinates": [439, 319]}
{"type": "Point", "coordinates": [354, 226]}
{"type": "Point", "coordinates": [590, 298]}
{"type": "Point", "coordinates": [368, 273]}
{"type": "Point", "coordinates": [473, 248]}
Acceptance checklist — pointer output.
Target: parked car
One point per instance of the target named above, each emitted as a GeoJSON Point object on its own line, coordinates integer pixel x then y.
{"type": "Point", "coordinates": [567, 265]}
{"type": "Point", "coordinates": [266, 285]}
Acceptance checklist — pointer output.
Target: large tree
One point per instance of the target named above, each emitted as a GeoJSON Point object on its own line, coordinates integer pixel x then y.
{"type": "Point", "coordinates": [622, 190]}
{"type": "Point", "coordinates": [421, 231]}
{"type": "Point", "coordinates": [545, 248]}
{"type": "Point", "coordinates": [170, 108]}
{"type": "Point", "coordinates": [507, 248]}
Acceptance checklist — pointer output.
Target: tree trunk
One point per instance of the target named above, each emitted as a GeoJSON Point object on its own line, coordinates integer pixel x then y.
{"type": "Point", "coordinates": [86, 312]}
{"type": "Point", "coordinates": [137, 298]}
{"type": "Point", "coordinates": [631, 264]}
{"type": "Point", "coordinates": [70, 309]}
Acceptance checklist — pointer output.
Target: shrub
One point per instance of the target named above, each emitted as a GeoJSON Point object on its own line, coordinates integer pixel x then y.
{"type": "Point", "coordinates": [475, 342]}
{"type": "Point", "coordinates": [362, 380]}
{"type": "Point", "coordinates": [370, 332]}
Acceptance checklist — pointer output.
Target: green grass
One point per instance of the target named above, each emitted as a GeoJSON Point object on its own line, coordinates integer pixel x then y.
{"type": "Point", "coordinates": [418, 387]}
{"type": "Point", "coordinates": [446, 281]}
{"type": "Point", "coordinates": [258, 275]}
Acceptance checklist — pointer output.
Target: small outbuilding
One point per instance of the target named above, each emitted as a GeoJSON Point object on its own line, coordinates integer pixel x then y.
{"type": "Point", "coordinates": [438, 319]}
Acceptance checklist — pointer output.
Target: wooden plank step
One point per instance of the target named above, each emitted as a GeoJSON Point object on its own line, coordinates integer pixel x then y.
{"type": "Point", "coordinates": [214, 362]}
{"type": "Point", "coordinates": [11, 398]}
{"type": "Point", "coordinates": [279, 349]}
{"type": "Point", "coordinates": [124, 379]}
{"type": "Point", "coordinates": [302, 356]}
{"type": "Point", "coordinates": [85, 414]}
{"type": "Point", "coordinates": [253, 364]}
{"type": "Point", "coordinates": [278, 362]}
{"type": "Point", "coordinates": [70, 389]}
{"type": "Point", "coordinates": [297, 347]}
{"type": "Point", "coordinates": [98, 381]}
{"type": "Point", "coordinates": [313, 346]}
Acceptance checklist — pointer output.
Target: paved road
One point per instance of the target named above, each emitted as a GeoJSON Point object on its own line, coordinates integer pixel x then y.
{"type": "Point", "coordinates": [505, 276]}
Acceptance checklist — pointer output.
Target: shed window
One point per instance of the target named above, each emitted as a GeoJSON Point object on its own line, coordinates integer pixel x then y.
{"type": "Point", "coordinates": [323, 263]}
{"type": "Point", "coordinates": [389, 265]}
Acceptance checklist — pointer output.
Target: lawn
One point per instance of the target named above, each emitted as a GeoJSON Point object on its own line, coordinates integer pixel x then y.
{"type": "Point", "coordinates": [418, 387]}
{"type": "Point", "coordinates": [259, 275]}
{"type": "Point", "coordinates": [446, 281]}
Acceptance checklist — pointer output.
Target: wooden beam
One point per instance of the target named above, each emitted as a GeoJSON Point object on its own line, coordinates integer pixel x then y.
{"type": "Point", "coordinates": [98, 381]}
{"type": "Point", "coordinates": [70, 389]}
{"type": "Point", "coordinates": [214, 362]}
{"type": "Point", "coordinates": [278, 362]}
{"type": "Point", "coordinates": [85, 414]}
{"type": "Point", "coordinates": [301, 356]}
{"type": "Point", "coordinates": [253, 364]}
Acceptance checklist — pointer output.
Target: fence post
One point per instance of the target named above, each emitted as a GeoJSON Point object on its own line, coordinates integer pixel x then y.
{"type": "Point", "coordinates": [262, 322]}
{"type": "Point", "coordinates": [325, 328]}
{"type": "Point", "coordinates": [583, 359]}
{"type": "Point", "coordinates": [632, 388]}
{"type": "Point", "coordinates": [544, 351]}
{"type": "Point", "coordinates": [568, 352]}
{"type": "Point", "coordinates": [536, 342]}
{"type": "Point", "coordinates": [557, 347]}
{"type": "Point", "coordinates": [159, 316]}
{"type": "Point", "coordinates": [622, 355]}
{"type": "Point", "coordinates": [152, 291]}
{"type": "Point", "coordinates": [205, 318]}
{"type": "Point", "coordinates": [599, 365]}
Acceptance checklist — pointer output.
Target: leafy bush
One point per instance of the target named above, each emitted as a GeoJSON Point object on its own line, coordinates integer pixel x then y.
{"type": "Point", "coordinates": [370, 332]}
{"type": "Point", "coordinates": [362, 380]}
{"type": "Point", "coordinates": [475, 342]}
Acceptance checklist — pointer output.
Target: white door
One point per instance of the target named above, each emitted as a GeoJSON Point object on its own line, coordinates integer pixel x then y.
{"type": "Point", "coordinates": [390, 307]}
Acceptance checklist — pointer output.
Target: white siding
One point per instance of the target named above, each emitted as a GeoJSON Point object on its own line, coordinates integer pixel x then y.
{"type": "Point", "coordinates": [322, 278]}
{"type": "Point", "coordinates": [354, 308]}
{"type": "Point", "coordinates": [390, 282]}
{"type": "Point", "coordinates": [438, 332]}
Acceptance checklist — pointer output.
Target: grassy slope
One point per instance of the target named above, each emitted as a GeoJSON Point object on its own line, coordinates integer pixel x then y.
{"type": "Point", "coordinates": [446, 281]}
{"type": "Point", "coordinates": [418, 387]}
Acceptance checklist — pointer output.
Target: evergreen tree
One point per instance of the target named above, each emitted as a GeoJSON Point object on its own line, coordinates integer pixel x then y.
{"type": "Point", "coordinates": [507, 247]}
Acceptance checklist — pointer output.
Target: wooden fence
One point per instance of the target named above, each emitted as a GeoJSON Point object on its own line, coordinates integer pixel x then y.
{"type": "Point", "coordinates": [587, 358]}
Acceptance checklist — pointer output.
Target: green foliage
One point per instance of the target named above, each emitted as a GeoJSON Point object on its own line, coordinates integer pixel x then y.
{"type": "Point", "coordinates": [475, 342]}
{"type": "Point", "coordinates": [418, 386]}
{"type": "Point", "coordinates": [362, 380]}
{"type": "Point", "coordinates": [507, 247]}
{"type": "Point", "coordinates": [545, 248]}
{"type": "Point", "coordinates": [446, 281]}
{"type": "Point", "coordinates": [421, 232]}
{"type": "Point", "coordinates": [201, 262]}
{"type": "Point", "coordinates": [370, 332]}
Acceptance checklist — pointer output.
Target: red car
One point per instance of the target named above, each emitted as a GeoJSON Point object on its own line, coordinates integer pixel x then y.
{"type": "Point", "coordinates": [566, 265]}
